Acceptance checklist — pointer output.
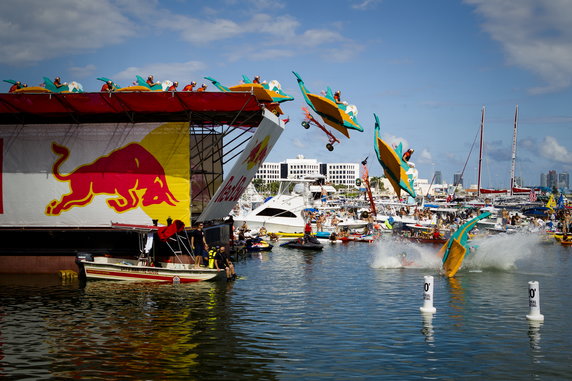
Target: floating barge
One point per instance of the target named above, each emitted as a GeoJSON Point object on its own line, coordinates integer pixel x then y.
{"type": "Point", "coordinates": [77, 165]}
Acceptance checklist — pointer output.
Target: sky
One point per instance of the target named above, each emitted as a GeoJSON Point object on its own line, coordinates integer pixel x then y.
{"type": "Point", "coordinates": [426, 68]}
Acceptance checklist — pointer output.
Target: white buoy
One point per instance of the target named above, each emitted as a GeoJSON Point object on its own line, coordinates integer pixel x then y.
{"type": "Point", "coordinates": [534, 302]}
{"type": "Point", "coordinates": [428, 296]}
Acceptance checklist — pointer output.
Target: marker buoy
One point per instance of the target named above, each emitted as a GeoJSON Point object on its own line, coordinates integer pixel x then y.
{"type": "Point", "coordinates": [428, 296]}
{"type": "Point", "coordinates": [534, 302]}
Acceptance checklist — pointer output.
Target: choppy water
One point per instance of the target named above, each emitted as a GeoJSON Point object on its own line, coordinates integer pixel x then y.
{"type": "Point", "coordinates": [347, 312]}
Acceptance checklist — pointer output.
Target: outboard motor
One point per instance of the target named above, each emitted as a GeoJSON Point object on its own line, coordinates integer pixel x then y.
{"type": "Point", "coordinates": [82, 256]}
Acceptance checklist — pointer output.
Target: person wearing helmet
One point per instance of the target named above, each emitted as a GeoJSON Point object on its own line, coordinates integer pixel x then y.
{"type": "Point", "coordinates": [256, 79]}
{"type": "Point", "coordinates": [57, 82]}
{"type": "Point", "coordinates": [202, 88]}
{"type": "Point", "coordinates": [190, 86]}
{"type": "Point", "coordinates": [407, 155]}
{"type": "Point", "coordinates": [173, 87]}
{"type": "Point", "coordinates": [337, 97]}
{"type": "Point", "coordinates": [15, 87]}
{"type": "Point", "coordinates": [108, 86]}
{"type": "Point", "coordinates": [151, 82]}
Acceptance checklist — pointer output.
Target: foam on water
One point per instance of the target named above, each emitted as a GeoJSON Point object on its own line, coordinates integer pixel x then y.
{"type": "Point", "coordinates": [389, 255]}
{"type": "Point", "coordinates": [503, 251]}
{"type": "Point", "coordinates": [500, 252]}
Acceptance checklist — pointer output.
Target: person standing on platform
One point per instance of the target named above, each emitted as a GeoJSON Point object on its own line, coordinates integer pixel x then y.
{"type": "Point", "coordinates": [199, 245]}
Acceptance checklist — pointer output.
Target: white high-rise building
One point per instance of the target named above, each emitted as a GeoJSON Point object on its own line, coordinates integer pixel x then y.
{"type": "Point", "coordinates": [335, 173]}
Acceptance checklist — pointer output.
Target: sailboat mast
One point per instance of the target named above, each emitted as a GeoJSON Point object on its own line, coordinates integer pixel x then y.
{"type": "Point", "coordinates": [481, 152]}
{"type": "Point", "coordinates": [512, 169]}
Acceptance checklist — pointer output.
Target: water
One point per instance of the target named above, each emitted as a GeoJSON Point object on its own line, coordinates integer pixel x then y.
{"type": "Point", "coordinates": [350, 311]}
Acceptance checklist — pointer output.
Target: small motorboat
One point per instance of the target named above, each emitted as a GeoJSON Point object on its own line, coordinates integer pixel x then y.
{"type": "Point", "coordinates": [307, 242]}
{"type": "Point", "coordinates": [257, 244]}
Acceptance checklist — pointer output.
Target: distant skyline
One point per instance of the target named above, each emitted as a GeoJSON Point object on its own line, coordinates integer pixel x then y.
{"type": "Point", "coordinates": [425, 67]}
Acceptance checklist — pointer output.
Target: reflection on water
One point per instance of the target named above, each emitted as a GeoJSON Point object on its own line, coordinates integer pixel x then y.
{"type": "Point", "coordinates": [337, 314]}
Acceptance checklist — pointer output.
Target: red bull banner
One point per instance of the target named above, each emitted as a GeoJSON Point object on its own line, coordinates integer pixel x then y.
{"type": "Point", "coordinates": [244, 169]}
{"type": "Point", "coordinates": [94, 174]}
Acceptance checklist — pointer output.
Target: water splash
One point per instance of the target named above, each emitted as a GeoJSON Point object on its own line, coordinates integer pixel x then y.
{"type": "Point", "coordinates": [392, 253]}
{"type": "Point", "coordinates": [503, 251]}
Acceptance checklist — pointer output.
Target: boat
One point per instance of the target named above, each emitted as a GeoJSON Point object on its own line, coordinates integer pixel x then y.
{"type": "Point", "coordinates": [304, 243]}
{"type": "Point", "coordinates": [358, 238]}
{"type": "Point", "coordinates": [177, 268]}
{"type": "Point", "coordinates": [102, 267]}
{"type": "Point", "coordinates": [257, 244]}
{"type": "Point", "coordinates": [284, 213]}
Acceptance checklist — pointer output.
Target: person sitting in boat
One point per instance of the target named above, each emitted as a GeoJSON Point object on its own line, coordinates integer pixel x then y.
{"type": "Point", "coordinates": [202, 88]}
{"type": "Point", "coordinates": [190, 86]}
{"type": "Point", "coordinates": [407, 155]}
{"type": "Point", "coordinates": [338, 97]}
{"type": "Point", "coordinates": [256, 79]}
{"type": "Point", "coordinates": [173, 87]}
{"type": "Point", "coordinates": [14, 87]}
{"type": "Point", "coordinates": [151, 82]}
{"type": "Point", "coordinates": [199, 245]}
{"type": "Point", "coordinates": [108, 86]}
{"type": "Point", "coordinates": [58, 83]}
{"type": "Point", "coordinates": [224, 263]}
{"type": "Point", "coordinates": [262, 231]}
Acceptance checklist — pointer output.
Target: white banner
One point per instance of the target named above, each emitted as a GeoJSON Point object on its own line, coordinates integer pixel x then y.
{"type": "Point", "coordinates": [93, 175]}
{"type": "Point", "coordinates": [244, 169]}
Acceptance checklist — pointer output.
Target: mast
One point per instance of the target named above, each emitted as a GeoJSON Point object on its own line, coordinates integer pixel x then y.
{"type": "Point", "coordinates": [481, 152]}
{"type": "Point", "coordinates": [512, 169]}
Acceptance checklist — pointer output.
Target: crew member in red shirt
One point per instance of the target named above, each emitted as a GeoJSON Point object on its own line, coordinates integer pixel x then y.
{"type": "Point", "coordinates": [15, 87]}
{"type": "Point", "coordinates": [173, 87]}
{"type": "Point", "coordinates": [256, 79]}
{"type": "Point", "coordinates": [108, 86]}
{"type": "Point", "coordinates": [202, 88]}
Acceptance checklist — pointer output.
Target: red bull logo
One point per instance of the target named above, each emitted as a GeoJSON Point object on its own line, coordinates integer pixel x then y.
{"type": "Point", "coordinates": [131, 173]}
{"type": "Point", "coordinates": [258, 153]}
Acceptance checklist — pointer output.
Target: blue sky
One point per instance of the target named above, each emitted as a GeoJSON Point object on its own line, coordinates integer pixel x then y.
{"type": "Point", "coordinates": [425, 67]}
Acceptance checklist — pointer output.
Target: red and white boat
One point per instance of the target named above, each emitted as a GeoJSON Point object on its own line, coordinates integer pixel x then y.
{"type": "Point", "coordinates": [134, 270]}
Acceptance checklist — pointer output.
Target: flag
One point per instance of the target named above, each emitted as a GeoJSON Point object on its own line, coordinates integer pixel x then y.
{"type": "Point", "coordinates": [551, 203]}
{"type": "Point", "coordinates": [561, 201]}
{"type": "Point", "coordinates": [532, 196]}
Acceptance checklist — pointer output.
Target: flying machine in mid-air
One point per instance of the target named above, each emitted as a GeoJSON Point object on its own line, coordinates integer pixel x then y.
{"type": "Point", "coordinates": [397, 169]}
{"type": "Point", "coordinates": [270, 94]}
{"type": "Point", "coordinates": [336, 114]}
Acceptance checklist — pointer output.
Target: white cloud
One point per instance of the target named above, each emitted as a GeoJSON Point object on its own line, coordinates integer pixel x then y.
{"type": "Point", "coordinates": [535, 35]}
{"type": "Point", "coordinates": [82, 71]}
{"type": "Point", "coordinates": [364, 5]}
{"type": "Point", "coordinates": [296, 142]}
{"type": "Point", "coordinates": [553, 150]}
{"type": "Point", "coordinates": [424, 156]}
{"type": "Point", "coordinates": [182, 72]}
{"type": "Point", "coordinates": [35, 30]}
{"type": "Point", "coordinates": [394, 141]}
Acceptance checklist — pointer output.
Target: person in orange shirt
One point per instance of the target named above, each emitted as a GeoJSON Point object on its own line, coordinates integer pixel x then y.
{"type": "Point", "coordinates": [190, 86]}
{"type": "Point", "coordinates": [256, 79]}
{"type": "Point", "coordinates": [151, 82]}
{"type": "Point", "coordinates": [202, 88]}
{"type": "Point", "coordinates": [337, 96]}
{"type": "Point", "coordinates": [173, 87]}
{"type": "Point", "coordinates": [58, 83]}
